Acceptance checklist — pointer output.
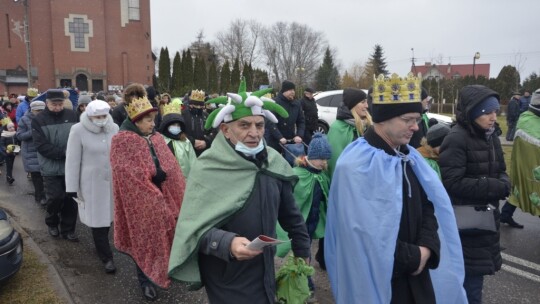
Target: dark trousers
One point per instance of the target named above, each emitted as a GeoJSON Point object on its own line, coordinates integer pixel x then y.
{"type": "Point", "coordinates": [507, 211]}
{"type": "Point", "coordinates": [101, 241]}
{"type": "Point", "coordinates": [37, 180]}
{"type": "Point", "coordinates": [10, 158]}
{"type": "Point", "coordinates": [511, 130]}
{"type": "Point", "coordinates": [473, 287]}
{"type": "Point", "coordinates": [143, 279]}
{"type": "Point", "coordinates": [61, 210]}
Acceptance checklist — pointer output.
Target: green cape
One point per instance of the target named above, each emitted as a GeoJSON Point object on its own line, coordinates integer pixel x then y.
{"type": "Point", "coordinates": [219, 184]}
{"type": "Point", "coordinates": [340, 135]}
{"type": "Point", "coordinates": [303, 195]}
{"type": "Point", "coordinates": [184, 153]}
{"type": "Point", "coordinates": [525, 163]}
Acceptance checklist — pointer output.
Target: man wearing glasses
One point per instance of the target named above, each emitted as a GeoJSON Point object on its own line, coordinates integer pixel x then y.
{"type": "Point", "coordinates": [382, 230]}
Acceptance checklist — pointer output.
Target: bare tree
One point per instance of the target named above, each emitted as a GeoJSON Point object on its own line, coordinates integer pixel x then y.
{"type": "Point", "coordinates": [293, 51]}
{"type": "Point", "coordinates": [519, 63]}
{"type": "Point", "coordinates": [239, 41]}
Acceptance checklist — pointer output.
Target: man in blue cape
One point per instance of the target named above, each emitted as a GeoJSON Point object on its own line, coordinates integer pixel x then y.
{"type": "Point", "coordinates": [391, 234]}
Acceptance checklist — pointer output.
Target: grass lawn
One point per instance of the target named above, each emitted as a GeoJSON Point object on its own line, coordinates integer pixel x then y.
{"type": "Point", "coordinates": [30, 285]}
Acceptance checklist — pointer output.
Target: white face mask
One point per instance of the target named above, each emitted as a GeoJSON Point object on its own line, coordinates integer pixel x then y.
{"type": "Point", "coordinates": [240, 147]}
{"type": "Point", "coordinates": [174, 130]}
{"type": "Point", "coordinates": [100, 122]}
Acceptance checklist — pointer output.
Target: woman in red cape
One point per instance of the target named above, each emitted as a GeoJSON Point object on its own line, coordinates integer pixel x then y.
{"type": "Point", "coordinates": [148, 188]}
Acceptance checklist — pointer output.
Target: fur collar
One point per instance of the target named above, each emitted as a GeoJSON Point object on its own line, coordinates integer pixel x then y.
{"type": "Point", "coordinates": [90, 126]}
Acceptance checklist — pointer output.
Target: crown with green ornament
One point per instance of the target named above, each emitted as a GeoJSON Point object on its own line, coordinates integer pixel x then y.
{"type": "Point", "coordinates": [242, 104]}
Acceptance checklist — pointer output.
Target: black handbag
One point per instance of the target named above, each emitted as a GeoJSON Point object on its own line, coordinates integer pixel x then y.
{"type": "Point", "coordinates": [475, 217]}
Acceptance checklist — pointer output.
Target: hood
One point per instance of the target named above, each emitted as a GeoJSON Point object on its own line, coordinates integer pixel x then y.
{"type": "Point", "coordinates": [167, 121]}
{"type": "Point", "coordinates": [343, 113]}
{"type": "Point", "coordinates": [469, 97]}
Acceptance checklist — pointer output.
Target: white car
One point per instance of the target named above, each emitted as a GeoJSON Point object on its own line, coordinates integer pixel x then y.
{"type": "Point", "coordinates": [329, 101]}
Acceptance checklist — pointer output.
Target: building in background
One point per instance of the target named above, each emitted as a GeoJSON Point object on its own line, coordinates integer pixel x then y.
{"type": "Point", "coordinates": [451, 71]}
{"type": "Point", "coordinates": [96, 45]}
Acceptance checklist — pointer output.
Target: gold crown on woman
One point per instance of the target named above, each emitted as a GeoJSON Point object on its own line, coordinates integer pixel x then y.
{"type": "Point", "coordinates": [171, 108]}
{"type": "Point", "coordinates": [197, 95]}
{"type": "Point", "coordinates": [5, 121]}
{"type": "Point", "coordinates": [395, 89]}
{"type": "Point", "coordinates": [138, 106]}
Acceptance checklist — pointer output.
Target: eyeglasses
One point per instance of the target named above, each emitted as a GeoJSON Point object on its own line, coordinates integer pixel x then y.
{"type": "Point", "coordinates": [411, 121]}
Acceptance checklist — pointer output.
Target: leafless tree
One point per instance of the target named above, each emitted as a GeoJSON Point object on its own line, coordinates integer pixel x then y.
{"type": "Point", "coordinates": [292, 48]}
{"type": "Point", "coordinates": [239, 41]}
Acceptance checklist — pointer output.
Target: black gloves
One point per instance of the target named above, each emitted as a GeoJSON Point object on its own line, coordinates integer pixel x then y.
{"type": "Point", "coordinates": [71, 194]}
{"type": "Point", "coordinates": [159, 178]}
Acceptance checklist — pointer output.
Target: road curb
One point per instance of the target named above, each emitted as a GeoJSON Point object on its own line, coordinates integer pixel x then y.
{"type": "Point", "coordinates": [57, 282]}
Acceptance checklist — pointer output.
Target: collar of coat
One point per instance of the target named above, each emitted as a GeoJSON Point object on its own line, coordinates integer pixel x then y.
{"type": "Point", "coordinates": [90, 126]}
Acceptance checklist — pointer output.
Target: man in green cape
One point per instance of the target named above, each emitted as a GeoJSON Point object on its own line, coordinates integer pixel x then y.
{"type": "Point", "coordinates": [237, 190]}
{"type": "Point", "coordinates": [525, 164]}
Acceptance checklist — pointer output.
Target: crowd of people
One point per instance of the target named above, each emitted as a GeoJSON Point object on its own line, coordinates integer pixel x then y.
{"type": "Point", "coordinates": [393, 197]}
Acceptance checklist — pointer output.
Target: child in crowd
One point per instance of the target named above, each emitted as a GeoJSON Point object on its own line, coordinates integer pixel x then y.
{"type": "Point", "coordinates": [10, 148]}
{"type": "Point", "coordinates": [430, 145]}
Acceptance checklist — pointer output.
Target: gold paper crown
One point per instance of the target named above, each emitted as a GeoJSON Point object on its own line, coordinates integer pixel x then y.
{"type": "Point", "coordinates": [5, 121]}
{"type": "Point", "coordinates": [171, 108]}
{"type": "Point", "coordinates": [138, 107]}
{"type": "Point", "coordinates": [396, 89]}
{"type": "Point", "coordinates": [197, 95]}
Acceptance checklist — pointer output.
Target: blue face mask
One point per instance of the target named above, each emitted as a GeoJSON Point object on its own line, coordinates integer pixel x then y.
{"type": "Point", "coordinates": [175, 130]}
{"type": "Point", "coordinates": [240, 147]}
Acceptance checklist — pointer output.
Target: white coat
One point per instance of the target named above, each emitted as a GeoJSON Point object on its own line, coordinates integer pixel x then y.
{"type": "Point", "coordinates": [88, 170]}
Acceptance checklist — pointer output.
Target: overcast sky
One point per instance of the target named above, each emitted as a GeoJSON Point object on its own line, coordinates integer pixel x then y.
{"type": "Point", "coordinates": [505, 32]}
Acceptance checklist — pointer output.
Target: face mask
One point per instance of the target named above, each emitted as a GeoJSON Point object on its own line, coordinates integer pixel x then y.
{"type": "Point", "coordinates": [175, 130]}
{"type": "Point", "coordinates": [100, 122]}
{"type": "Point", "coordinates": [240, 147]}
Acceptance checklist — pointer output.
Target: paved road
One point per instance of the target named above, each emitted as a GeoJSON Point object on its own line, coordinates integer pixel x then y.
{"type": "Point", "coordinates": [83, 275]}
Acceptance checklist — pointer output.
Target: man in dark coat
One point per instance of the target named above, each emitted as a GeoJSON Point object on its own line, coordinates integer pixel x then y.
{"type": "Point", "coordinates": [474, 173]}
{"type": "Point", "coordinates": [512, 115]}
{"type": "Point", "coordinates": [50, 132]}
{"type": "Point", "coordinates": [394, 246]}
{"type": "Point", "coordinates": [219, 219]}
{"type": "Point", "coordinates": [311, 114]}
{"type": "Point", "coordinates": [194, 119]}
{"type": "Point", "coordinates": [290, 128]}
{"type": "Point", "coordinates": [524, 101]}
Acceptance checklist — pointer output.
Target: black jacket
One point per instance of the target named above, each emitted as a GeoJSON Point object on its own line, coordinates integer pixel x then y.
{"type": "Point", "coordinates": [474, 173]}
{"type": "Point", "coordinates": [194, 120]}
{"type": "Point", "coordinates": [287, 128]}
{"type": "Point", "coordinates": [311, 113]}
{"type": "Point", "coordinates": [418, 227]}
{"type": "Point", "coordinates": [513, 111]}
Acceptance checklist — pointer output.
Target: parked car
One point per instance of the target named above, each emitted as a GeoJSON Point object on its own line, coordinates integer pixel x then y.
{"type": "Point", "coordinates": [329, 101]}
{"type": "Point", "coordinates": [11, 248]}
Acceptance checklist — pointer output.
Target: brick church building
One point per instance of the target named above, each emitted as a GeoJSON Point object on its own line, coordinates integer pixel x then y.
{"type": "Point", "coordinates": [96, 45]}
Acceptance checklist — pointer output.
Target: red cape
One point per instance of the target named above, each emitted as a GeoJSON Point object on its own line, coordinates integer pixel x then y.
{"type": "Point", "coordinates": [145, 216]}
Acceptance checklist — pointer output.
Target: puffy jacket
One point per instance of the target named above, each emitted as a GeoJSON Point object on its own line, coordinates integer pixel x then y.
{"type": "Point", "coordinates": [287, 128]}
{"type": "Point", "coordinates": [474, 173]}
{"type": "Point", "coordinates": [311, 113]}
{"type": "Point", "coordinates": [50, 132]}
{"type": "Point", "coordinates": [28, 149]}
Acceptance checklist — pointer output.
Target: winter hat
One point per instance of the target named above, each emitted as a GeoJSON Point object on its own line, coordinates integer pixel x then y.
{"type": "Point", "coordinates": [394, 96]}
{"type": "Point", "coordinates": [310, 90]}
{"type": "Point", "coordinates": [37, 105]}
{"type": "Point", "coordinates": [535, 100]}
{"type": "Point", "coordinates": [97, 107]}
{"type": "Point", "coordinates": [352, 97]}
{"type": "Point", "coordinates": [319, 148]}
{"type": "Point", "coordinates": [243, 105]}
{"type": "Point", "coordinates": [32, 92]}
{"type": "Point", "coordinates": [55, 95]}
{"type": "Point", "coordinates": [436, 134]}
{"type": "Point", "coordinates": [84, 99]}
{"type": "Point", "coordinates": [286, 86]}
{"type": "Point", "coordinates": [487, 106]}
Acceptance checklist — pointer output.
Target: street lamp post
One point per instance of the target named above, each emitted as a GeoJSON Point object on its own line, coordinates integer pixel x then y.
{"type": "Point", "coordinates": [27, 43]}
{"type": "Point", "coordinates": [476, 56]}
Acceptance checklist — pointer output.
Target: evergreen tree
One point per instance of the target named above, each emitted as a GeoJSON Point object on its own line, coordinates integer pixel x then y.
{"type": "Point", "coordinates": [531, 83]}
{"type": "Point", "coordinates": [200, 77]}
{"type": "Point", "coordinates": [507, 82]}
{"type": "Point", "coordinates": [327, 77]}
{"type": "Point", "coordinates": [176, 80]}
{"type": "Point", "coordinates": [225, 78]}
{"type": "Point", "coordinates": [376, 64]}
{"type": "Point", "coordinates": [188, 72]}
{"type": "Point", "coordinates": [260, 77]}
{"type": "Point", "coordinates": [246, 72]}
{"type": "Point", "coordinates": [235, 76]}
{"type": "Point", "coordinates": [212, 79]}
{"type": "Point", "coordinates": [164, 77]}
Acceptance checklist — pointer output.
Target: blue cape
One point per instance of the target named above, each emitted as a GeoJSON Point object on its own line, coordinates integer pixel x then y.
{"type": "Point", "coordinates": [364, 213]}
